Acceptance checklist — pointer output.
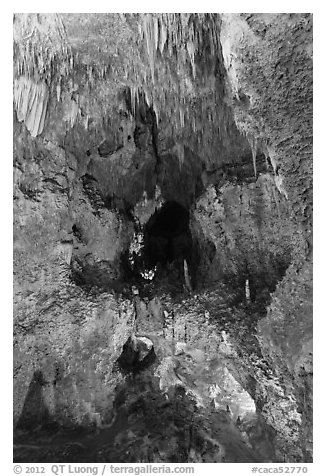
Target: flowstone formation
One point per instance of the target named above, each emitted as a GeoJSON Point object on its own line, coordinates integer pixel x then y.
{"type": "Point", "coordinates": [163, 237]}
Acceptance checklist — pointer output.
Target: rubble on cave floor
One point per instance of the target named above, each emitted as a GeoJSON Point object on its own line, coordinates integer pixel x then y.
{"type": "Point", "coordinates": [183, 406]}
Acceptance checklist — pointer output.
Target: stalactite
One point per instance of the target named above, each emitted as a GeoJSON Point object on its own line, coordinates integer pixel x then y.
{"type": "Point", "coordinates": [276, 201]}
{"type": "Point", "coordinates": [179, 150]}
{"type": "Point", "coordinates": [156, 111]}
{"type": "Point", "coordinates": [163, 36]}
{"type": "Point", "coordinates": [278, 179]}
{"type": "Point", "coordinates": [155, 32]}
{"type": "Point", "coordinates": [279, 184]}
{"type": "Point", "coordinates": [147, 97]}
{"type": "Point", "coordinates": [133, 99]}
{"type": "Point", "coordinates": [59, 90]}
{"type": "Point", "coordinates": [73, 113]}
{"type": "Point", "coordinates": [182, 117]}
{"type": "Point", "coordinates": [31, 101]}
{"type": "Point", "coordinates": [191, 52]}
{"type": "Point", "coordinates": [182, 39]}
{"type": "Point", "coordinates": [150, 33]}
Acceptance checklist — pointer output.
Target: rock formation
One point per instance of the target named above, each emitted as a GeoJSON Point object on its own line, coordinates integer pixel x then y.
{"type": "Point", "coordinates": [163, 237]}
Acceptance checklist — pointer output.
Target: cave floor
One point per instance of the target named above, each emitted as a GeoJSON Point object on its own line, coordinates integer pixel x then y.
{"type": "Point", "coordinates": [140, 441]}
{"type": "Point", "coordinates": [200, 414]}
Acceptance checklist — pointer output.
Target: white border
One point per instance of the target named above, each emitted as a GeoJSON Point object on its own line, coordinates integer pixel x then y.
{"type": "Point", "coordinates": [319, 199]}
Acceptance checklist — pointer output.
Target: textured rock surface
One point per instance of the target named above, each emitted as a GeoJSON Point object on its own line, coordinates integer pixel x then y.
{"type": "Point", "coordinates": [116, 114]}
{"type": "Point", "coordinates": [275, 99]}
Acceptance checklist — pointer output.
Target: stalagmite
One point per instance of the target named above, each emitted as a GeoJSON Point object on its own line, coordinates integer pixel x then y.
{"type": "Point", "coordinates": [247, 288]}
{"type": "Point", "coordinates": [187, 277]}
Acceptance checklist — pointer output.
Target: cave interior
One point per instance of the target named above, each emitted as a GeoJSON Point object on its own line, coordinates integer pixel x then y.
{"type": "Point", "coordinates": [162, 238]}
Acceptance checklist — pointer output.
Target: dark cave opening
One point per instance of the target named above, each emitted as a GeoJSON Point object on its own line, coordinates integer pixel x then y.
{"type": "Point", "coordinates": [167, 236]}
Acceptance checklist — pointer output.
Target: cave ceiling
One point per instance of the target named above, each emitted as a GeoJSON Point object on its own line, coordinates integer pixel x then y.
{"type": "Point", "coordinates": [99, 79]}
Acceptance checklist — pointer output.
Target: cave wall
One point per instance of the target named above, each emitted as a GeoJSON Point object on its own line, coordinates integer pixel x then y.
{"type": "Point", "coordinates": [55, 225]}
{"type": "Point", "coordinates": [269, 65]}
{"type": "Point", "coordinates": [245, 232]}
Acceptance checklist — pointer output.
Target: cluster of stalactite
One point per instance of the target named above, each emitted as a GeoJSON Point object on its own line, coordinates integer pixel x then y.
{"type": "Point", "coordinates": [174, 61]}
{"type": "Point", "coordinates": [31, 101]}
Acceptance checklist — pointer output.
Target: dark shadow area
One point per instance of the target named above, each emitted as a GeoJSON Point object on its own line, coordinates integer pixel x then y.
{"type": "Point", "coordinates": [167, 258]}
{"type": "Point", "coordinates": [262, 278]}
{"type": "Point", "coordinates": [34, 413]}
{"type": "Point", "coordinates": [167, 236]}
{"type": "Point", "coordinates": [147, 426]}
{"type": "Point", "coordinates": [137, 355]}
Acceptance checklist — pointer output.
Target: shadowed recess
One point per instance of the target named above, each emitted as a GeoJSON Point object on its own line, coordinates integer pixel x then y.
{"type": "Point", "coordinates": [167, 236]}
